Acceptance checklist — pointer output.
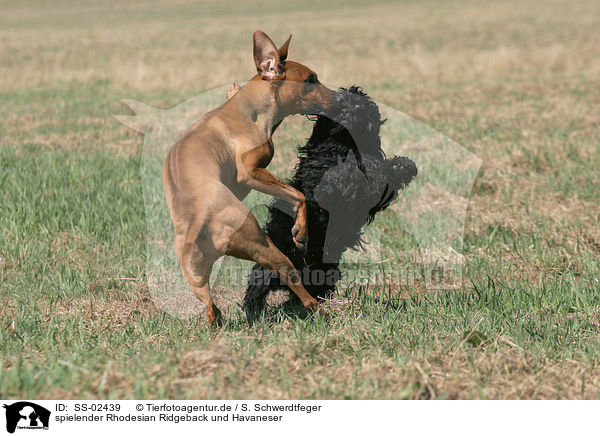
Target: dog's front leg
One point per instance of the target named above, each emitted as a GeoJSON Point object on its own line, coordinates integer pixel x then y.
{"type": "Point", "coordinates": [252, 172]}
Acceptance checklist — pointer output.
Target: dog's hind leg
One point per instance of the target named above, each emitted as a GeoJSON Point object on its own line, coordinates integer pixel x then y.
{"type": "Point", "coordinates": [251, 243]}
{"type": "Point", "coordinates": [213, 314]}
{"type": "Point", "coordinates": [197, 258]}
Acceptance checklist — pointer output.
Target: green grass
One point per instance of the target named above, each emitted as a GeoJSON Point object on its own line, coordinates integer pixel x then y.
{"type": "Point", "coordinates": [77, 318]}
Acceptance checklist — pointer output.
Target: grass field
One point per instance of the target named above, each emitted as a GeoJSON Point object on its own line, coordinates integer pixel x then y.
{"type": "Point", "coordinates": [516, 83]}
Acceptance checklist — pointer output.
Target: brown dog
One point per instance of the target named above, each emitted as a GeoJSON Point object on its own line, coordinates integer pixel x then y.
{"type": "Point", "coordinates": [223, 156]}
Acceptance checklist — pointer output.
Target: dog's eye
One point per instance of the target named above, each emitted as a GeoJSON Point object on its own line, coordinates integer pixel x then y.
{"type": "Point", "coordinates": [311, 79]}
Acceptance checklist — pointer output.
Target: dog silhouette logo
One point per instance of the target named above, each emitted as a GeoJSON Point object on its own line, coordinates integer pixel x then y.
{"type": "Point", "coordinates": [26, 415]}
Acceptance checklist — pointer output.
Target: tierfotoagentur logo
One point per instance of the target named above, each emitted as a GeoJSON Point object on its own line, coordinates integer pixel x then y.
{"type": "Point", "coordinates": [415, 242]}
{"type": "Point", "coordinates": [25, 415]}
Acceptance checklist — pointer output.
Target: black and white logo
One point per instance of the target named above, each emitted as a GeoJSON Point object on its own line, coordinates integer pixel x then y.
{"type": "Point", "coordinates": [26, 415]}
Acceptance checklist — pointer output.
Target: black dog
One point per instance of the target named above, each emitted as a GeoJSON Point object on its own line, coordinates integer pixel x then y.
{"type": "Point", "coordinates": [347, 179]}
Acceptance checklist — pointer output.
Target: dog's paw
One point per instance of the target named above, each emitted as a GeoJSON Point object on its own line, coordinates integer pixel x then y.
{"type": "Point", "coordinates": [214, 317]}
{"type": "Point", "coordinates": [300, 238]}
{"type": "Point", "coordinates": [323, 314]}
{"type": "Point", "coordinates": [313, 306]}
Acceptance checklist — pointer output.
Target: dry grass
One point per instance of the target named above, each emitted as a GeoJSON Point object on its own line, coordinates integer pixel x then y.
{"type": "Point", "coordinates": [496, 368]}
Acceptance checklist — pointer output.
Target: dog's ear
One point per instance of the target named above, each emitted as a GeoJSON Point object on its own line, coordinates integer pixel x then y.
{"type": "Point", "coordinates": [266, 57]}
{"type": "Point", "coordinates": [283, 50]}
{"type": "Point", "coordinates": [233, 90]}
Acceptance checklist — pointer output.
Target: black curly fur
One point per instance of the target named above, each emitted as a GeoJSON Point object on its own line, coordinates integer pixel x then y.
{"type": "Point", "coordinates": [347, 179]}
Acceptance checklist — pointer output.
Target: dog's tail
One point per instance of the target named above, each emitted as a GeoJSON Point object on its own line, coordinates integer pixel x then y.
{"type": "Point", "coordinates": [186, 255]}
